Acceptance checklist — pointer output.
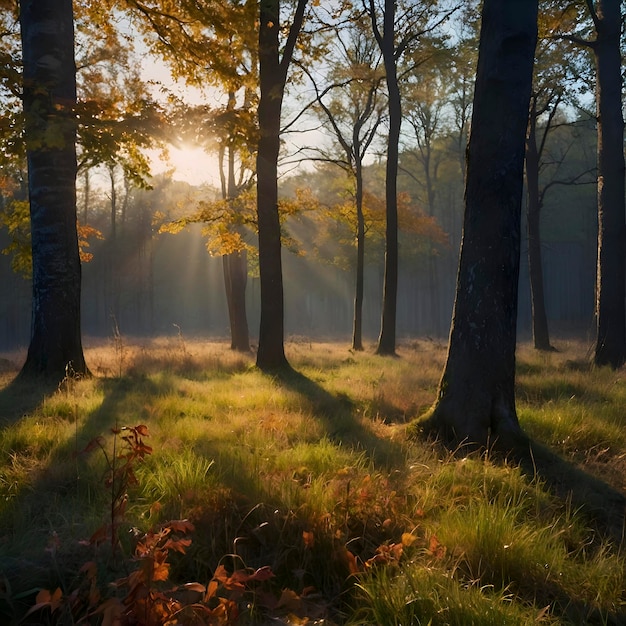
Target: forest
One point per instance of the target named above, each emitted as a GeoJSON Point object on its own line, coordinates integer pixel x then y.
{"type": "Point", "coordinates": [313, 312]}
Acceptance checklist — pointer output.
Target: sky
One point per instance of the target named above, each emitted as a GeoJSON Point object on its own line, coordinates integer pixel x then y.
{"type": "Point", "coordinates": [191, 164]}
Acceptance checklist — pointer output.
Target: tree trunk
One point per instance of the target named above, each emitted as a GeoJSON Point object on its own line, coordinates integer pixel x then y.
{"type": "Point", "coordinates": [610, 284]}
{"type": "Point", "coordinates": [476, 401]}
{"type": "Point", "coordinates": [387, 337]}
{"type": "Point", "coordinates": [49, 97]}
{"type": "Point", "coordinates": [357, 326]}
{"type": "Point", "coordinates": [235, 267]}
{"type": "Point", "coordinates": [541, 337]}
{"type": "Point", "coordinates": [235, 279]}
{"type": "Point", "coordinates": [271, 351]}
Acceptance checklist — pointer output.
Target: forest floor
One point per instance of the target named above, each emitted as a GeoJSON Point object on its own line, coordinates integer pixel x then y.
{"type": "Point", "coordinates": [180, 485]}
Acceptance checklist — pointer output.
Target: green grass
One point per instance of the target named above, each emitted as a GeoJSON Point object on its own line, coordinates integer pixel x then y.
{"type": "Point", "coordinates": [313, 475]}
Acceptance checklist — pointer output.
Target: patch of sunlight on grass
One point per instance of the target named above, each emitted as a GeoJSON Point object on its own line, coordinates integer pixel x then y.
{"type": "Point", "coordinates": [573, 428]}
{"type": "Point", "coordinates": [177, 482]}
{"type": "Point", "coordinates": [421, 595]}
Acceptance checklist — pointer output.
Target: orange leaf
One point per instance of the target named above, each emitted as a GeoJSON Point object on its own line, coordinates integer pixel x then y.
{"type": "Point", "coordinates": [55, 600]}
{"type": "Point", "coordinates": [161, 571]}
{"type": "Point", "coordinates": [237, 581]}
{"type": "Point", "coordinates": [179, 545]}
{"type": "Point", "coordinates": [436, 548]}
{"type": "Point", "coordinates": [263, 573]}
{"type": "Point", "coordinates": [43, 597]}
{"type": "Point", "coordinates": [142, 430]}
{"type": "Point", "coordinates": [99, 536]}
{"type": "Point", "coordinates": [408, 539]}
{"type": "Point", "coordinates": [211, 590]}
{"type": "Point", "coordinates": [181, 526]}
{"type": "Point", "coordinates": [353, 566]}
{"type": "Point", "coordinates": [309, 539]}
{"type": "Point", "coordinates": [220, 574]}
{"type": "Point", "coordinates": [89, 569]}
{"type": "Point", "coordinates": [94, 597]}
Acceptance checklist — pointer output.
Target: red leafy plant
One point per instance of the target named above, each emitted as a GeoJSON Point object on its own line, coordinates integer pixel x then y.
{"type": "Point", "coordinates": [120, 475]}
{"type": "Point", "coordinates": [145, 596]}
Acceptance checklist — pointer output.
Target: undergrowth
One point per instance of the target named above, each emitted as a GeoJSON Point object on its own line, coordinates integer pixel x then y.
{"type": "Point", "coordinates": [300, 500]}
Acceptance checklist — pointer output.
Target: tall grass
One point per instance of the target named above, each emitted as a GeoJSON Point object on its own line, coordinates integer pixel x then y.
{"type": "Point", "coordinates": [313, 475]}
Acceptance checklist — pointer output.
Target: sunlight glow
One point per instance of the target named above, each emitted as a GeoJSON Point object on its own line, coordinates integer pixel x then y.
{"type": "Point", "coordinates": [191, 164]}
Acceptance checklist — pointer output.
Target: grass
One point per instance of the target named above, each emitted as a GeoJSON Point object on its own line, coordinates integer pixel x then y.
{"type": "Point", "coordinates": [313, 476]}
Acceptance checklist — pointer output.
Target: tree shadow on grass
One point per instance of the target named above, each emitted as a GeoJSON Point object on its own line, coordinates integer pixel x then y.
{"type": "Point", "coordinates": [22, 397]}
{"type": "Point", "coordinates": [537, 392]}
{"type": "Point", "coordinates": [601, 503]}
{"type": "Point", "coordinates": [337, 414]}
{"type": "Point", "coordinates": [602, 506]}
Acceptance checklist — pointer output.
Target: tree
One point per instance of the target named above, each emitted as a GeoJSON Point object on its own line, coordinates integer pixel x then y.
{"type": "Point", "coordinates": [273, 70]}
{"type": "Point", "coordinates": [386, 41]}
{"type": "Point", "coordinates": [49, 97]}
{"type": "Point", "coordinates": [235, 261]}
{"type": "Point", "coordinates": [397, 33]}
{"type": "Point", "coordinates": [352, 108]}
{"type": "Point", "coordinates": [549, 84]}
{"type": "Point", "coordinates": [610, 346]}
{"type": "Point", "coordinates": [214, 43]}
{"type": "Point", "coordinates": [476, 400]}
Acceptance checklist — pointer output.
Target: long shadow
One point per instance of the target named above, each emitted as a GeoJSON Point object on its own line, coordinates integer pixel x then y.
{"type": "Point", "coordinates": [537, 392]}
{"type": "Point", "coordinates": [336, 413]}
{"type": "Point", "coordinates": [21, 397]}
{"type": "Point", "coordinates": [35, 567]}
{"type": "Point", "coordinates": [603, 505]}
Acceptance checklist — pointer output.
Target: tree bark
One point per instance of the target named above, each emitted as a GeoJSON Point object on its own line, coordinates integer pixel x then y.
{"type": "Point", "coordinates": [387, 337]}
{"type": "Point", "coordinates": [541, 336]}
{"type": "Point", "coordinates": [235, 267]}
{"type": "Point", "coordinates": [610, 283]}
{"type": "Point", "coordinates": [476, 401]}
{"type": "Point", "coordinates": [357, 326]}
{"type": "Point", "coordinates": [272, 80]}
{"type": "Point", "coordinates": [235, 279]}
{"type": "Point", "coordinates": [49, 72]}
{"type": "Point", "coordinates": [271, 352]}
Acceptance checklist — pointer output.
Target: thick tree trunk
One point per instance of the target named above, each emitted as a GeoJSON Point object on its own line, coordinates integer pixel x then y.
{"type": "Point", "coordinates": [49, 97]}
{"type": "Point", "coordinates": [357, 326]}
{"type": "Point", "coordinates": [271, 351]}
{"type": "Point", "coordinates": [387, 337]}
{"type": "Point", "coordinates": [476, 402]}
{"type": "Point", "coordinates": [541, 337]}
{"type": "Point", "coordinates": [610, 285]}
